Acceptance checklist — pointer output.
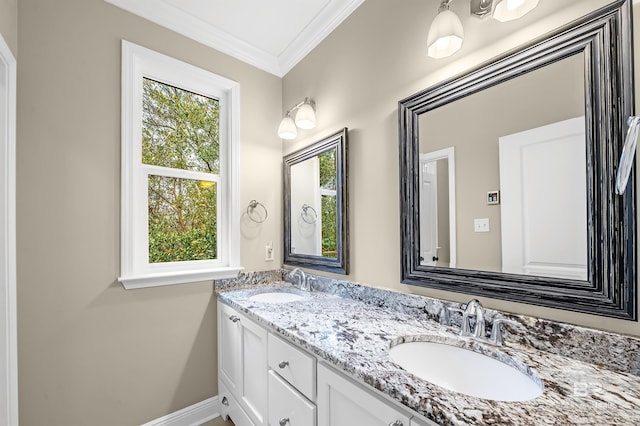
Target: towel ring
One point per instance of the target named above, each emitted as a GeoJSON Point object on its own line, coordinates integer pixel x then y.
{"type": "Point", "coordinates": [253, 204]}
{"type": "Point", "coordinates": [305, 214]}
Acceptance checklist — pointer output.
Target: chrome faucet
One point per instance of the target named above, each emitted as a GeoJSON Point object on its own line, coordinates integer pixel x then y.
{"type": "Point", "coordinates": [473, 309]}
{"type": "Point", "coordinates": [303, 282]}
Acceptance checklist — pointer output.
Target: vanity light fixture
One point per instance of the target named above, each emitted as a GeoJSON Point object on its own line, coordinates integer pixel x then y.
{"type": "Point", "coordinates": [305, 118]}
{"type": "Point", "coordinates": [508, 10]}
{"type": "Point", "coordinates": [446, 33]}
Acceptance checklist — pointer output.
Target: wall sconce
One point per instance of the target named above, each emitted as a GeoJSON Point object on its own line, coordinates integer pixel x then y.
{"type": "Point", "coordinates": [446, 33]}
{"type": "Point", "coordinates": [305, 118]}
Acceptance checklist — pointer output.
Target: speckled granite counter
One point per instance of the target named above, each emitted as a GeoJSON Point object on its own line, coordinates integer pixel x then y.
{"type": "Point", "coordinates": [590, 377]}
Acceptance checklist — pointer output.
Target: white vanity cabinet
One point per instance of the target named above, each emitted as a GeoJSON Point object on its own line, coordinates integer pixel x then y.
{"type": "Point", "coordinates": [264, 380]}
{"type": "Point", "coordinates": [344, 403]}
{"type": "Point", "coordinates": [242, 366]}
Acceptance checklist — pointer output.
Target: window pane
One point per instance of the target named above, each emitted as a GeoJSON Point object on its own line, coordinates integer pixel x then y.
{"type": "Point", "coordinates": [328, 181]}
{"type": "Point", "coordinates": [329, 221]}
{"type": "Point", "coordinates": [328, 169]}
{"type": "Point", "coordinates": [182, 219]}
{"type": "Point", "coordinates": [180, 129]}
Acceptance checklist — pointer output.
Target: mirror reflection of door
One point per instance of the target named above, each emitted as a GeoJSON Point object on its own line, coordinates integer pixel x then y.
{"type": "Point", "coordinates": [429, 212]}
{"type": "Point", "coordinates": [543, 183]}
{"type": "Point", "coordinates": [314, 206]}
{"type": "Point", "coordinates": [437, 208]}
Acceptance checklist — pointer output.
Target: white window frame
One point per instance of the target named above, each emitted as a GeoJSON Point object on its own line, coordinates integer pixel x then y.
{"type": "Point", "coordinates": [135, 270]}
{"type": "Point", "coordinates": [8, 283]}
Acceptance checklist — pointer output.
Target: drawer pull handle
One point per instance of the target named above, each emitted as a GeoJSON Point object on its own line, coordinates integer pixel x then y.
{"type": "Point", "coordinates": [234, 318]}
{"type": "Point", "coordinates": [284, 421]}
{"type": "Point", "coordinates": [396, 423]}
{"type": "Point", "coordinates": [225, 401]}
{"type": "Point", "coordinates": [283, 364]}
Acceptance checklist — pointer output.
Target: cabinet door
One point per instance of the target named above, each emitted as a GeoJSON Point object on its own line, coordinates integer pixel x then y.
{"type": "Point", "coordinates": [344, 403]}
{"type": "Point", "coordinates": [253, 370]}
{"type": "Point", "coordinates": [228, 347]}
{"type": "Point", "coordinates": [230, 408]}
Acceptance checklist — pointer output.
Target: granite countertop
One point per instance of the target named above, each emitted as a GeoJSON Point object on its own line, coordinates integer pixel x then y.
{"type": "Point", "coordinates": [355, 337]}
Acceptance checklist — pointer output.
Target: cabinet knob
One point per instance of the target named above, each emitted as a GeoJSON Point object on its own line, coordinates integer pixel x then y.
{"type": "Point", "coordinates": [224, 401]}
{"type": "Point", "coordinates": [396, 423]}
{"type": "Point", "coordinates": [234, 318]}
{"type": "Point", "coordinates": [283, 364]}
{"type": "Point", "coordinates": [284, 421]}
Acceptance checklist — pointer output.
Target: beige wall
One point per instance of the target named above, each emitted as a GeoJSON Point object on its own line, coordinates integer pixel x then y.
{"type": "Point", "coordinates": [9, 24]}
{"type": "Point", "coordinates": [474, 124]}
{"type": "Point", "coordinates": [90, 352]}
{"type": "Point", "coordinates": [357, 76]}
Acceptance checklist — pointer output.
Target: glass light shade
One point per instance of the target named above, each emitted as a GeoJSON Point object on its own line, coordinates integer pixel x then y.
{"type": "Point", "coordinates": [508, 10]}
{"type": "Point", "coordinates": [306, 116]}
{"type": "Point", "coordinates": [445, 35]}
{"type": "Point", "coordinates": [287, 128]}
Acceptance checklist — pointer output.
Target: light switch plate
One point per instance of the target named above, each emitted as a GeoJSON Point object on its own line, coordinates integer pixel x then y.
{"type": "Point", "coordinates": [268, 252]}
{"type": "Point", "coordinates": [481, 225]}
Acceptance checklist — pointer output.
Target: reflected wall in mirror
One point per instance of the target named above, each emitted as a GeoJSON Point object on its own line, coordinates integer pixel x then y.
{"type": "Point", "coordinates": [316, 231]}
{"type": "Point", "coordinates": [524, 138]}
{"type": "Point", "coordinates": [525, 210]}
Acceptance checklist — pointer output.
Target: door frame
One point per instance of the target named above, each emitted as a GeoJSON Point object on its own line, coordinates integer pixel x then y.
{"type": "Point", "coordinates": [449, 155]}
{"type": "Point", "coordinates": [9, 357]}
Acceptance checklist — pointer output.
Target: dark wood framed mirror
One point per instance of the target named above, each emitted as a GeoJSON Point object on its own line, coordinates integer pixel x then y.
{"type": "Point", "coordinates": [534, 221]}
{"type": "Point", "coordinates": [316, 228]}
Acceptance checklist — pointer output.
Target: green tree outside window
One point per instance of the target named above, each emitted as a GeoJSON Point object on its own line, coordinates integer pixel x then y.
{"type": "Point", "coordinates": [180, 130]}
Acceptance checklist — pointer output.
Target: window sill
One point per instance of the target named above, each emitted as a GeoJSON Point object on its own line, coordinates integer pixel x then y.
{"type": "Point", "coordinates": [171, 278]}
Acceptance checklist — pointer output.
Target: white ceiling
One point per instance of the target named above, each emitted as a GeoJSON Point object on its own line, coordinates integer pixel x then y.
{"type": "Point", "coordinates": [273, 35]}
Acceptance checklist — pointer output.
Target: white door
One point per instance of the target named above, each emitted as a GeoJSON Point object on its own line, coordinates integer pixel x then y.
{"type": "Point", "coordinates": [429, 212]}
{"type": "Point", "coordinates": [544, 201]}
{"type": "Point", "coordinates": [8, 331]}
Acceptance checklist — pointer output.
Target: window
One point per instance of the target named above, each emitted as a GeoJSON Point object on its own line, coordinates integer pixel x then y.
{"type": "Point", "coordinates": [179, 172]}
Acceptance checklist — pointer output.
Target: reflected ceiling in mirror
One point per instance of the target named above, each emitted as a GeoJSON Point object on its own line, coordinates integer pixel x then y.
{"type": "Point", "coordinates": [534, 222]}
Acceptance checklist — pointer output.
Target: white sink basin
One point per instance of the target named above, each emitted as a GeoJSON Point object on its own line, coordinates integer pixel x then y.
{"type": "Point", "coordinates": [464, 371]}
{"type": "Point", "coordinates": [277, 297]}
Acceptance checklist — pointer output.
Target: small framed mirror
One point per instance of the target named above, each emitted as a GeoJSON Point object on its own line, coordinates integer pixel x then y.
{"type": "Point", "coordinates": [316, 231]}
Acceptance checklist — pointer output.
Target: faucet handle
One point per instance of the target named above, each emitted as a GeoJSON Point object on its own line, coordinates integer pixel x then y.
{"type": "Point", "coordinates": [445, 314]}
{"type": "Point", "coordinates": [473, 308]}
{"type": "Point", "coordinates": [310, 281]}
{"type": "Point", "coordinates": [496, 330]}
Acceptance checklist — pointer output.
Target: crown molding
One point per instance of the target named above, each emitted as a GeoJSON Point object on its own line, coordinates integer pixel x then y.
{"type": "Point", "coordinates": [317, 30]}
{"type": "Point", "coordinates": [177, 20]}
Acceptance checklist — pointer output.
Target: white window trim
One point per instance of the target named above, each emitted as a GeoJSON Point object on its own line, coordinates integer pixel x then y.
{"type": "Point", "coordinates": [135, 270]}
{"type": "Point", "coordinates": [8, 282]}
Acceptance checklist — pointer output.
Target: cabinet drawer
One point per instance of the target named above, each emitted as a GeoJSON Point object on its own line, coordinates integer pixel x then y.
{"type": "Point", "coordinates": [295, 366]}
{"type": "Point", "coordinates": [229, 407]}
{"type": "Point", "coordinates": [288, 407]}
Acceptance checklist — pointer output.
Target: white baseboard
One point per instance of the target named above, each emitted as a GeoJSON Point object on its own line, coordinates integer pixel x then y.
{"type": "Point", "coordinates": [193, 415]}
